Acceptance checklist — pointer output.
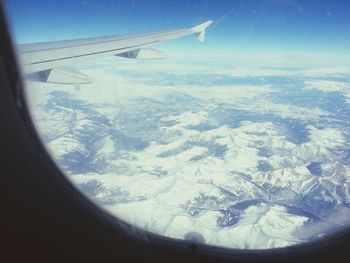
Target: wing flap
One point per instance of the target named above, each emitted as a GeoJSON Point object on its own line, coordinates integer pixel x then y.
{"type": "Point", "coordinates": [146, 54]}
{"type": "Point", "coordinates": [62, 75]}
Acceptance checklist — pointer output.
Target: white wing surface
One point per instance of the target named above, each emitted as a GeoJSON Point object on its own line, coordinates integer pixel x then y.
{"type": "Point", "coordinates": [46, 61]}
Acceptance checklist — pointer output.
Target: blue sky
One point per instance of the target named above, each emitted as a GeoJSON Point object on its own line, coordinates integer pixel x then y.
{"type": "Point", "coordinates": [294, 26]}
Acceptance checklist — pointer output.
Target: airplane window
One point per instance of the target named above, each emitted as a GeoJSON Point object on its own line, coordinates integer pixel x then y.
{"type": "Point", "coordinates": [241, 141]}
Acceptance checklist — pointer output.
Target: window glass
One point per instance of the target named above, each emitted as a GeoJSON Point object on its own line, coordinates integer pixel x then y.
{"type": "Point", "coordinates": [241, 141]}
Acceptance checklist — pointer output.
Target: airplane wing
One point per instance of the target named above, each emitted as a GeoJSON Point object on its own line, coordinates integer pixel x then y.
{"type": "Point", "coordinates": [46, 62]}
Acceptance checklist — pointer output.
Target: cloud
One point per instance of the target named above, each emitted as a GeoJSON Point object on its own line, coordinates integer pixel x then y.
{"type": "Point", "coordinates": [330, 86]}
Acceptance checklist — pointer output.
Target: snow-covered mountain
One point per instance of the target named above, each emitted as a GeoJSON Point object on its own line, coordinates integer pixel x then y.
{"type": "Point", "coordinates": [247, 165]}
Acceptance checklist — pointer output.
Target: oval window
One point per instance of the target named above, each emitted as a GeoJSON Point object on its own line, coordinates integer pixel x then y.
{"type": "Point", "coordinates": [240, 142]}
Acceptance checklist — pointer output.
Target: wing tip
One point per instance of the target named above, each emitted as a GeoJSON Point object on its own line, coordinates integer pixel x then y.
{"type": "Point", "coordinates": [199, 30]}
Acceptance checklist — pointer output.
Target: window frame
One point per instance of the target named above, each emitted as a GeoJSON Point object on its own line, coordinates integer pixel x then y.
{"type": "Point", "coordinates": [57, 216]}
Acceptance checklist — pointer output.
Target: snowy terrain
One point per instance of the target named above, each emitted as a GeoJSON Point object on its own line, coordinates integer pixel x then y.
{"type": "Point", "coordinates": [244, 160]}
